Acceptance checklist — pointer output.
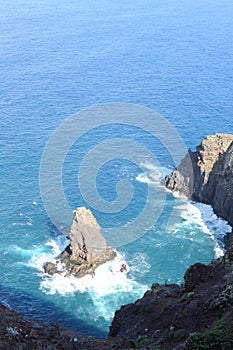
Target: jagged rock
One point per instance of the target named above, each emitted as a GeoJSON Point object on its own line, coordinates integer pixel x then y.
{"type": "Point", "coordinates": [195, 275]}
{"type": "Point", "coordinates": [207, 175]}
{"type": "Point", "coordinates": [87, 249]}
{"type": "Point", "coordinates": [50, 268]}
{"type": "Point", "coordinates": [167, 315]}
{"type": "Point", "coordinates": [86, 241]}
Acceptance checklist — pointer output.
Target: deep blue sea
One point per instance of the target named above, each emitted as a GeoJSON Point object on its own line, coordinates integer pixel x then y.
{"type": "Point", "coordinates": [58, 58]}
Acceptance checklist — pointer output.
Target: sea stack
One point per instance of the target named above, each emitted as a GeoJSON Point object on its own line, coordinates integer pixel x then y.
{"type": "Point", "coordinates": [206, 175]}
{"type": "Point", "coordinates": [87, 249]}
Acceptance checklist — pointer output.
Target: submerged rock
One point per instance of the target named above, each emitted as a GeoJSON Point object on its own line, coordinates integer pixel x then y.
{"type": "Point", "coordinates": [87, 249]}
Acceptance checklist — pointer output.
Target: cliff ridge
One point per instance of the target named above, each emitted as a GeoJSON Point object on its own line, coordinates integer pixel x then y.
{"type": "Point", "coordinates": [206, 175]}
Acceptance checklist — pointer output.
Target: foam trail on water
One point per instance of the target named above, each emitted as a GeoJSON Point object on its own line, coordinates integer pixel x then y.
{"type": "Point", "coordinates": [152, 174]}
{"type": "Point", "coordinates": [216, 225]}
{"type": "Point", "coordinates": [24, 220]}
{"type": "Point", "coordinates": [51, 250]}
{"type": "Point", "coordinates": [139, 264]}
{"type": "Point", "coordinates": [108, 289]}
{"type": "Point", "coordinates": [202, 216]}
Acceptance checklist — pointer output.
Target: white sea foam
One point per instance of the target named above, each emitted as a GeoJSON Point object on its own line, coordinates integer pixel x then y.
{"type": "Point", "coordinates": [202, 216]}
{"type": "Point", "coordinates": [39, 256]}
{"type": "Point", "coordinates": [139, 264]}
{"type": "Point", "coordinates": [152, 174]}
{"type": "Point", "coordinates": [216, 225]}
{"type": "Point", "coordinates": [24, 220]}
{"type": "Point", "coordinates": [105, 289]}
{"type": "Point", "coordinates": [108, 279]}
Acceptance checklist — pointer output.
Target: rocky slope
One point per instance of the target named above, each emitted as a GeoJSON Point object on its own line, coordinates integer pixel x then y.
{"type": "Point", "coordinates": [206, 175]}
{"type": "Point", "coordinates": [87, 249]}
{"type": "Point", "coordinates": [197, 315]}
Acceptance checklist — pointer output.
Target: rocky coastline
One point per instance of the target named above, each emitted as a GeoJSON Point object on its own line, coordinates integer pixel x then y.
{"type": "Point", "coordinates": [206, 175]}
{"type": "Point", "coordinates": [196, 315]}
{"type": "Point", "coordinates": [199, 313]}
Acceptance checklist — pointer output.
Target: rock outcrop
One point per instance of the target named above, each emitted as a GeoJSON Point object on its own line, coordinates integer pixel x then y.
{"type": "Point", "coordinates": [206, 175]}
{"type": "Point", "coordinates": [87, 249]}
{"type": "Point", "coordinates": [197, 315]}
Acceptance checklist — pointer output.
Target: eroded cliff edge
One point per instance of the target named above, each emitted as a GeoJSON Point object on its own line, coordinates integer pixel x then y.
{"type": "Point", "coordinates": [206, 175]}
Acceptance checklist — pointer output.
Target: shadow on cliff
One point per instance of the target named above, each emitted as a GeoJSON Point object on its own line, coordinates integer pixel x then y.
{"type": "Point", "coordinates": [28, 306]}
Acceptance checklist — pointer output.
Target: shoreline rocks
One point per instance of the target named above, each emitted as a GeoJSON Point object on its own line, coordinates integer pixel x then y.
{"type": "Point", "coordinates": [87, 249]}
{"type": "Point", "coordinates": [168, 316]}
{"type": "Point", "coordinates": [206, 175]}
{"type": "Point", "coordinates": [195, 315]}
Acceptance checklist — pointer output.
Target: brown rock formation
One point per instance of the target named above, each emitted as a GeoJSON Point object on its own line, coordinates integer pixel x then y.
{"type": "Point", "coordinates": [87, 249]}
{"type": "Point", "coordinates": [207, 175]}
{"type": "Point", "coordinates": [86, 241]}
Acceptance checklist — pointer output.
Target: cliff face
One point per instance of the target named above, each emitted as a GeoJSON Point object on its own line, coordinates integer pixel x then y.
{"type": "Point", "coordinates": [195, 316]}
{"type": "Point", "coordinates": [206, 175]}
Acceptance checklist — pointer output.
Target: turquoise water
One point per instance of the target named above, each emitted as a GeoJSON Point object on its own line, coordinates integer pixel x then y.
{"type": "Point", "coordinates": [174, 57]}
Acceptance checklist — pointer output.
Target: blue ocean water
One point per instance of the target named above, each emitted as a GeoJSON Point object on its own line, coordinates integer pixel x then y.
{"type": "Point", "coordinates": [57, 58]}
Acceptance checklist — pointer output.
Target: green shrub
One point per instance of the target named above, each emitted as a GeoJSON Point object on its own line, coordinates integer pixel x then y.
{"type": "Point", "coordinates": [219, 338]}
{"type": "Point", "coordinates": [124, 343]}
{"type": "Point", "coordinates": [11, 332]}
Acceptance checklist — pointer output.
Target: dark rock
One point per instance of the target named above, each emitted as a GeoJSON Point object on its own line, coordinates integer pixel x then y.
{"type": "Point", "coordinates": [171, 312]}
{"type": "Point", "coordinates": [228, 239]}
{"type": "Point", "coordinates": [50, 268]}
{"type": "Point", "coordinates": [33, 334]}
{"type": "Point", "coordinates": [195, 275]}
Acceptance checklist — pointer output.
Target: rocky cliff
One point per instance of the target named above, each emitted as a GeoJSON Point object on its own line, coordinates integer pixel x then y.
{"type": "Point", "coordinates": [194, 316]}
{"type": "Point", "coordinates": [197, 315]}
{"type": "Point", "coordinates": [206, 175]}
{"type": "Point", "coordinates": [87, 249]}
